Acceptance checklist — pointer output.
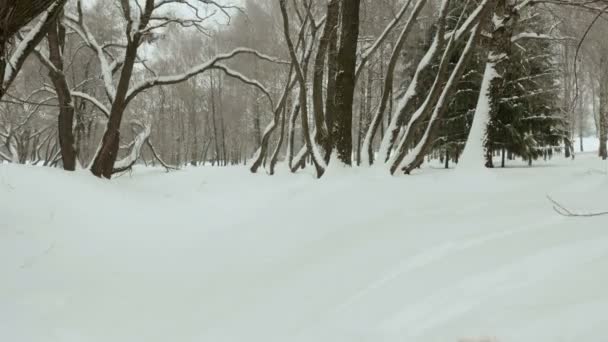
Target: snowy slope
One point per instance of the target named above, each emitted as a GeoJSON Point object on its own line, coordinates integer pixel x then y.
{"type": "Point", "coordinates": [222, 255]}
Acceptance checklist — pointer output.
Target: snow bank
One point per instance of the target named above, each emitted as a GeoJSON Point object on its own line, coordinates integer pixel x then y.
{"type": "Point", "coordinates": [213, 254]}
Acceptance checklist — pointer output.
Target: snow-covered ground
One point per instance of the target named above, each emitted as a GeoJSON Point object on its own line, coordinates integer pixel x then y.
{"type": "Point", "coordinates": [221, 255]}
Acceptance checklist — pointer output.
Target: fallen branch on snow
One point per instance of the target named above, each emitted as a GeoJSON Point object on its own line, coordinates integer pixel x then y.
{"type": "Point", "coordinates": [560, 209]}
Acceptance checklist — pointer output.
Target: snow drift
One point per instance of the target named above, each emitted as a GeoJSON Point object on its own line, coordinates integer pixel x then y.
{"type": "Point", "coordinates": [222, 255]}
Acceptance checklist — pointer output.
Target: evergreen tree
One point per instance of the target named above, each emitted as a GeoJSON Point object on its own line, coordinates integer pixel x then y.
{"type": "Point", "coordinates": [526, 119]}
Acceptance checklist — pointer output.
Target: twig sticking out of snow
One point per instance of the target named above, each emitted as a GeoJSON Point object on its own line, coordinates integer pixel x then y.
{"type": "Point", "coordinates": [478, 339]}
{"type": "Point", "coordinates": [560, 209]}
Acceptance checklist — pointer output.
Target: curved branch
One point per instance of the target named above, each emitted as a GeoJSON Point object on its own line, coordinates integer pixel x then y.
{"type": "Point", "coordinates": [174, 79]}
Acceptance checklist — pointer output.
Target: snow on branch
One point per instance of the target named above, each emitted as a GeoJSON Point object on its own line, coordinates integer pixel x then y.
{"type": "Point", "coordinates": [589, 5]}
{"type": "Point", "coordinates": [534, 35]}
{"type": "Point", "coordinates": [468, 24]}
{"type": "Point", "coordinates": [562, 210]}
{"type": "Point", "coordinates": [79, 26]}
{"type": "Point", "coordinates": [28, 44]}
{"type": "Point", "coordinates": [237, 75]}
{"type": "Point", "coordinates": [158, 158]}
{"type": "Point", "coordinates": [368, 52]}
{"type": "Point", "coordinates": [213, 63]}
{"type": "Point", "coordinates": [84, 96]}
{"type": "Point", "coordinates": [224, 8]}
{"type": "Point", "coordinates": [139, 141]}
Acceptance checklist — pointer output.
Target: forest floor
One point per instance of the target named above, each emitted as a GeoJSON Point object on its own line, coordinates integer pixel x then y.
{"type": "Point", "coordinates": [218, 254]}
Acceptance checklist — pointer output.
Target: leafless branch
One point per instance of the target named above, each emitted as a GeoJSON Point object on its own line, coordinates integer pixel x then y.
{"type": "Point", "coordinates": [562, 210]}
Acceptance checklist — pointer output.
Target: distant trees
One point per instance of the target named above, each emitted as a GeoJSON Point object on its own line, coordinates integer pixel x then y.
{"type": "Point", "coordinates": [388, 83]}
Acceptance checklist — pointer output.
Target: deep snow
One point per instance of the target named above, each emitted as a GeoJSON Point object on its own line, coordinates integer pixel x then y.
{"type": "Point", "coordinates": [213, 254]}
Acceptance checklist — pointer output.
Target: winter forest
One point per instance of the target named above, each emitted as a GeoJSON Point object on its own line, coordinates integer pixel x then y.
{"type": "Point", "coordinates": [308, 170]}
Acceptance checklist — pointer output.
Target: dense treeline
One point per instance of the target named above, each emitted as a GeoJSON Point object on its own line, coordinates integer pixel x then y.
{"type": "Point", "coordinates": [299, 83]}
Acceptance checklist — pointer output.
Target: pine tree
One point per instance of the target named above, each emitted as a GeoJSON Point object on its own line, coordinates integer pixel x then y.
{"type": "Point", "coordinates": [526, 120]}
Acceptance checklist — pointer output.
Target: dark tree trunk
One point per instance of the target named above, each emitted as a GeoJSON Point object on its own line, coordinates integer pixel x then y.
{"type": "Point", "coordinates": [56, 40]}
{"type": "Point", "coordinates": [214, 121]}
{"type": "Point", "coordinates": [277, 150]}
{"type": "Point", "coordinates": [332, 57]}
{"type": "Point", "coordinates": [345, 80]}
{"type": "Point", "coordinates": [325, 45]}
{"type": "Point", "coordinates": [222, 124]}
{"type": "Point", "coordinates": [603, 115]}
{"type": "Point", "coordinates": [362, 107]}
{"type": "Point", "coordinates": [103, 165]}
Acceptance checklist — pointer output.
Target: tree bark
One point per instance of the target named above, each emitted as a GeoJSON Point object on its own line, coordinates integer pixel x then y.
{"type": "Point", "coordinates": [311, 145]}
{"type": "Point", "coordinates": [387, 89]}
{"type": "Point", "coordinates": [56, 40]}
{"type": "Point", "coordinates": [345, 79]}
{"type": "Point", "coordinates": [103, 165]}
{"type": "Point", "coordinates": [329, 33]}
{"type": "Point", "coordinates": [441, 103]}
{"type": "Point", "coordinates": [603, 112]}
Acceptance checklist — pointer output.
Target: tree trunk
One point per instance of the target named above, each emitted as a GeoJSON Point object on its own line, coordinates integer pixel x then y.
{"type": "Point", "coordinates": [277, 150]}
{"type": "Point", "coordinates": [345, 79]}
{"type": "Point", "coordinates": [581, 122]}
{"type": "Point", "coordinates": [311, 144]}
{"type": "Point", "coordinates": [330, 106]}
{"type": "Point", "coordinates": [505, 17]}
{"type": "Point", "coordinates": [222, 124]}
{"type": "Point", "coordinates": [362, 107]}
{"type": "Point", "coordinates": [387, 89]}
{"type": "Point", "coordinates": [441, 101]}
{"type": "Point", "coordinates": [603, 112]}
{"type": "Point", "coordinates": [216, 158]}
{"type": "Point", "coordinates": [103, 165]}
{"type": "Point", "coordinates": [56, 40]}
{"type": "Point", "coordinates": [329, 33]}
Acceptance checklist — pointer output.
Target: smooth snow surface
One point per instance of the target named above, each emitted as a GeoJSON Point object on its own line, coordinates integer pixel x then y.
{"type": "Point", "coordinates": [221, 255]}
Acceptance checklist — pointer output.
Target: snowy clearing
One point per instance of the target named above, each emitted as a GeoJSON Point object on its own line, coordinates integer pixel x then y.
{"type": "Point", "coordinates": [218, 254]}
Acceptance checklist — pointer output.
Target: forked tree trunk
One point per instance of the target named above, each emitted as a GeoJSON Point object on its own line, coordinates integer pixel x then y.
{"type": "Point", "coordinates": [103, 165]}
{"type": "Point", "coordinates": [310, 143]}
{"type": "Point", "coordinates": [279, 114]}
